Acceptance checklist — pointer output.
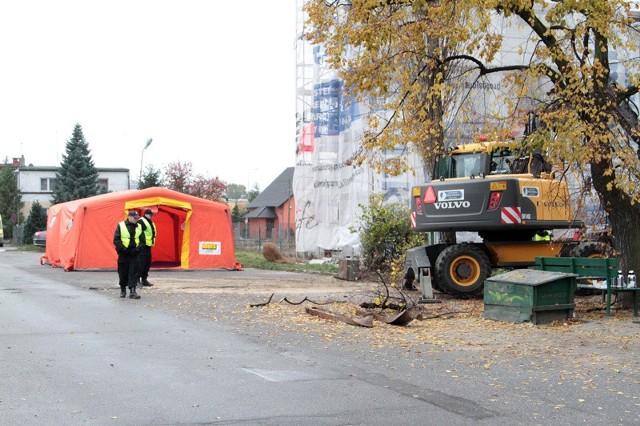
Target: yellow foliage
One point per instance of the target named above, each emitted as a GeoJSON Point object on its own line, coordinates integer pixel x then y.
{"type": "Point", "coordinates": [409, 61]}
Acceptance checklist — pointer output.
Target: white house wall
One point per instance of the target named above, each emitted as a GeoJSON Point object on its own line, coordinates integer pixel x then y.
{"type": "Point", "coordinates": [28, 180]}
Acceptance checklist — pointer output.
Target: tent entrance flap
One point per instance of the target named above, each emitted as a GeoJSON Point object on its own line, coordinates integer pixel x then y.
{"type": "Point", "coordinates": [169, 223]}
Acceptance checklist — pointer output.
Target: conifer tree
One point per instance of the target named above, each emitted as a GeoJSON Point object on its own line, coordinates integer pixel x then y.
{"type": "Point", "coordinates": [235, 214]}
{"type": "Point", "coordinates": [77, 177]}
{"type": "Point", "coordinates": [251, 195]}
{"type": "Point", "coordinates": [10, 203]}
{"type": "Point", "coordinates": [150, 178]}
{"type": "Point", "coordinates": [36, 221]}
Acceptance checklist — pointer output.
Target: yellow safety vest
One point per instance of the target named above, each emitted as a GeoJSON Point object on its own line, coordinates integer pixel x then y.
{"type": "Point", "coordinates": [125, 236]}
{"type": "Point", "coordinates": [149, 232]}
{"type": "Point", "coordinates": [546, 237]}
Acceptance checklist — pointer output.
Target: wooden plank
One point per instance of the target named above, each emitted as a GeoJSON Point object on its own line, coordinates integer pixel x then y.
{"type": "Point", "coordinates": [583, 266]}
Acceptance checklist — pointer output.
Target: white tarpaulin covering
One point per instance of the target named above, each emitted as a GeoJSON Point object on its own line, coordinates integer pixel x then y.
{"type": "Point", "coordinates": [327, 186]}
{"type": "Point", "coordinates": [328, 189]}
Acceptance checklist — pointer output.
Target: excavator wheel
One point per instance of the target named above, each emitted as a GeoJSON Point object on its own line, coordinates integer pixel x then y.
{"type": "Point", "coordinates": [591, 249]}
{"type": "Point", "coordinates": [461, 269]}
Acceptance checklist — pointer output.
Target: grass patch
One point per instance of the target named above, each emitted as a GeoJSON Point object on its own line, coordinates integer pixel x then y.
{"type": "Point", "coordinates": [252, 259]}
{"type": "Point", "coordinates": [30, 247]}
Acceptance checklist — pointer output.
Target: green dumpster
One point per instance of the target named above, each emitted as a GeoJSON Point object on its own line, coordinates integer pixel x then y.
{"type": "Point", "coordinates": [529, 295]}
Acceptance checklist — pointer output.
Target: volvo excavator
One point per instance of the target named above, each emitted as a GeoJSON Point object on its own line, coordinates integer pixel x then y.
{"type": "Point", "coordinates": [508, 196]}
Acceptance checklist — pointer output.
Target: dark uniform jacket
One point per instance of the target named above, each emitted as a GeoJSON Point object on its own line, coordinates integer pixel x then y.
{"type": "Point", "coordinates": [117, 240]}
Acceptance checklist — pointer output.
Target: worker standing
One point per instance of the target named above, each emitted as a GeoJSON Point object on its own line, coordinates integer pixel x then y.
{"type": "Point", "coordinates": [149, 230]}
{"type": "Point", "coordinates": [128, 239]}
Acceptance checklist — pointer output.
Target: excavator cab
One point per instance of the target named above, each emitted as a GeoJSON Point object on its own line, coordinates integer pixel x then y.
{"type": "Point", "coordinates": [460, 165]}
{"type": "Point", "coordinates": [479, 160]}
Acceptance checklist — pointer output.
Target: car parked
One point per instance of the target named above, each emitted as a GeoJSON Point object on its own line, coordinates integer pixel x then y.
{"type": "Point", "coordinates": [40, 238]}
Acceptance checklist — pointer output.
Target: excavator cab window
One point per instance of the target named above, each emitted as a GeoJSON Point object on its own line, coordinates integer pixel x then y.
{"type": "Point", "coordinates": [539, 164]}
{"type": "Point", "coordinates": [520, 165]}
{"type": "Point", "coordinates": [502, 162]}
{"type": "Point", "coordinates": [445, 166]}
{"type": "Point", "coordinates": [474, 164]}
{"type": "Point", "coordinates": [460, 165]}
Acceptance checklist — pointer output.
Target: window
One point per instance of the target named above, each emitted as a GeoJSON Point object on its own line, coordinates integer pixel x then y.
{"type": "Point", "coordinates": [459, 165]}
{"type": "Point", "coordinates": [47, 184]}
{"type": "Point", "coordinates": [103, 185]}
{"type": "Point", "coordinates": [502, 162]}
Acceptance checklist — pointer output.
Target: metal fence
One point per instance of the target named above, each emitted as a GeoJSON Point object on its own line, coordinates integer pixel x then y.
{"type": "Point", "coordinates": [286, 243]}
{"type": "Point", "coordinates": [287, 247]}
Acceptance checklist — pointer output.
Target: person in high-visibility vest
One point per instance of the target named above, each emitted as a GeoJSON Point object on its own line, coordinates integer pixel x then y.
{"type": "Point", "coordinates": [542, 236]}
{"type": "Point", "coordinates": [127, 239]}
{"type": "Point", "coordinates": [149, 231]}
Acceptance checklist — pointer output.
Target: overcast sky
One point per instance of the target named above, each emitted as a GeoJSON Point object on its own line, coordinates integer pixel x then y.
{"type": "Point", "coordinates": [212, 82]}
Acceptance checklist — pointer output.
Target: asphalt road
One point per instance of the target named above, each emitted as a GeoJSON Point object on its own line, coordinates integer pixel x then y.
{"type": "Point", "coordinates": [72, 352]}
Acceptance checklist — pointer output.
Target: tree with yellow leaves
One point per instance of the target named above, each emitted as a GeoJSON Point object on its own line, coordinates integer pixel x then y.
{"type": "Point", "coordinates": [410, 58]}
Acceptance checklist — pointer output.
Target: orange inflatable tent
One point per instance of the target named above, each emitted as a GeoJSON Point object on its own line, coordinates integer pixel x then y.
{"type": "Point", "coordinates": [193, 233]}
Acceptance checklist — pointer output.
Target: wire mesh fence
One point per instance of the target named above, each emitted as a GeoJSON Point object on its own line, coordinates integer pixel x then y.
{"type": "Point", "coordinates": [18, 235]}
{"type": "Point", "coordinates": [285, 241]}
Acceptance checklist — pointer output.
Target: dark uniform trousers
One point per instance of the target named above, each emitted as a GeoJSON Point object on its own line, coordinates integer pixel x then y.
{"type": "Point", "coordinates": [144, 261]}
{"type": "Point", "coordinates": [128, 269]}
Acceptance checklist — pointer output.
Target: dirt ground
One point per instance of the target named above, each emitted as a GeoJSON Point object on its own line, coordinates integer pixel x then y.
{"type": "Point", "coordinates": [450, 325]}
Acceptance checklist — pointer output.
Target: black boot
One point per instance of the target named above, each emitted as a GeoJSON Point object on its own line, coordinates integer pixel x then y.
{"type": "Point", "coordinates": [146, 283]}
{"type": "Point", "coordinates": [123, 292]}
{"type": "Point", "coordinates": [133, 294]}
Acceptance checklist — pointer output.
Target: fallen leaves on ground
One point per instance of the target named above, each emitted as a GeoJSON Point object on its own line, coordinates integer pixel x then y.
{"type": "Point", "coordinates": [452, 327]}
{"type": "Point", "coordinates": [457, 325]}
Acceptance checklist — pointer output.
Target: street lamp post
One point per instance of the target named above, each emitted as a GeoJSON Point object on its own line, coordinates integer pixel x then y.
{"type": "Point", "coordinates": [146, 145]}
{"type": "Point", "coordinates": [246, 220]}
{"type": "Point", "coordinates": [249, 180]}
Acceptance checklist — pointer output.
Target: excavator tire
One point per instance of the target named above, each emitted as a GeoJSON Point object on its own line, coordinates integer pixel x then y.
{"type": "Point", "coordinates": [461, 270]}
{"type": "Point", "coordinates": [591, 249]}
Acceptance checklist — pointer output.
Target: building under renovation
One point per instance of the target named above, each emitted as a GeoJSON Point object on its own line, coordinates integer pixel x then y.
{"type": "Point", "coordinates": [327, 186]}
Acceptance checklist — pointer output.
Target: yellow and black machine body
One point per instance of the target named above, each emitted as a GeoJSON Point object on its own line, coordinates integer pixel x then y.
{"type": "Point", "coordinates": [505, 195]}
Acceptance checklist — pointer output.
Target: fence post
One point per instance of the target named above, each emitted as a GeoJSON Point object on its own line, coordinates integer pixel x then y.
{"type": "Point", "coordinates": [18, 235]}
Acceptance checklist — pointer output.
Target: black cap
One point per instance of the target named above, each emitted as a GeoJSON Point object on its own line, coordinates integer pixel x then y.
{"type": "Point", "coordinates": [148, 211]}
{"type": "Point", "coordinates": [134, 213]}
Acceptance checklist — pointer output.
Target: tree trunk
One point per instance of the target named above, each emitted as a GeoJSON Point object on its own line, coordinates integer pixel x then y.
{"type": "Point", "coordinates": [624, 219]}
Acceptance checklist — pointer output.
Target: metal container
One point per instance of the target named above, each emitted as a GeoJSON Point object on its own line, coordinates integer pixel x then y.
{"type": "Point", "coordinates": [529, 295]}
{"type": "Point", "coordinates": [620, 280]}
{"type": "Point", "coordinates": [631, 279]}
